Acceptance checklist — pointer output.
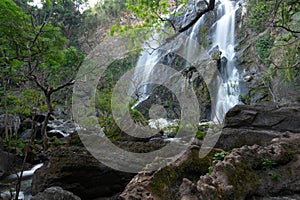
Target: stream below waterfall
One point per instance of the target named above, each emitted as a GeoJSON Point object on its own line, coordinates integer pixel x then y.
{"type": "Point", "coordinates": [8, 192]}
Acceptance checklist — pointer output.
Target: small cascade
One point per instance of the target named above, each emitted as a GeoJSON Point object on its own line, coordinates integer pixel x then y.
{"type": "Point", "coordinates": [9, 191]}
{"type": "Point", "coordinates": [142, 75]}
{"type": "Point", "coordinates": [25, 174]}
{"type": "Point", "coordinates": [191, 49]}
{"type": "Point", "coordinates": [223, 40]}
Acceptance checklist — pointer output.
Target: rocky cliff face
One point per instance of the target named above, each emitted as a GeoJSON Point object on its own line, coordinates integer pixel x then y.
{"type": "Point", "coordinates": [258, 49]}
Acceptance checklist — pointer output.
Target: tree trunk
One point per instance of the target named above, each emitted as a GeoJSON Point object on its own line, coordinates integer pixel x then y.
{"type": "Point", "coordinates": [49, 113]}
{"type": "Point", "coordinates": [19, 177]}
{"type": "Point", "coordinates": [5, 109]}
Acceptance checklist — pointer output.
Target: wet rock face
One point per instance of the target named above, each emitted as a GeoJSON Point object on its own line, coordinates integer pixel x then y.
{"type": "Point", "coordinates": [75, 170]}
{"type": "Point", "coordinates": [55, 193]}
{"type": "Point", "coordinates": [252, 171]}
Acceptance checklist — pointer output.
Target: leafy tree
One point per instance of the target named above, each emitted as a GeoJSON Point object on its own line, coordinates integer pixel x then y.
{"type": "Point", "coordinates": [160, 13]}
{"type": "Point", "coordinates": [66, 15]}
{"type": "Point", "coordinates": [112, 7]}
{"type": "Point", "coordinates": [37, 51]}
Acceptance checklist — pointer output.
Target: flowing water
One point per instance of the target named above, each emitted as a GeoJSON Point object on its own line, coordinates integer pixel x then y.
{"type": "Point", "coordinates": [144, 68]}
{"type": "Point", "coordinates": [9, 193]}
{"type": "Point", "coordinates": [223, 39]}
{"type": "Point", "coordinates": [223, 34]}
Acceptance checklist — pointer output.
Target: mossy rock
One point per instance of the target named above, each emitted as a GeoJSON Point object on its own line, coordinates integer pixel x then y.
{"type": "Point", "coordinates": [165, 182]}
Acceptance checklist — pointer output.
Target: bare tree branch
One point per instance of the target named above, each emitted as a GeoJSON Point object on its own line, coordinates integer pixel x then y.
{"type": "Point", "coordinates": [37, 34]}
{"type": "Point", "coordinates": [166, 20]}
{"type": "Point", "coordinates": [289, 67]}
{"type": "Point", "coordinates": [69, 83]}
{"type": "Point", "coordinates": [286, 28]}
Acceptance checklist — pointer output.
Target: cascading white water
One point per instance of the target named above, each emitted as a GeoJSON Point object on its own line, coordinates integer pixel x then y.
{"type": "Point", "coordinates": [191, 44]}
{"type": "Point", "coordinates": [223, 39]}
{"type": "Point", "coordinates": [143, 69]}
{"type": "Point", "coordinates": [9, 193]}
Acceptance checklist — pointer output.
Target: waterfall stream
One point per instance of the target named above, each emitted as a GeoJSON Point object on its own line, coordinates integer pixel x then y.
{"type": "Point", "coordinates": [223, 39]}
{"type": "Point", "coordinates": [9, 193]}
{"type": "Point", "coordinates": [142, 75]}
{"type": "Point", "coordinates": [223, 34]}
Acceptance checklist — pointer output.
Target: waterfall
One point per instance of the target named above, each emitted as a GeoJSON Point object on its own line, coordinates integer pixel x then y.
{"type": "Point", "coordinates": [227, 91]}
{"type": "Point", "coordinates": [223, 39]}
{"type": "Point", "coordinates": [142, 75]}
{"type": "Point", "coordinates": [191, 46]}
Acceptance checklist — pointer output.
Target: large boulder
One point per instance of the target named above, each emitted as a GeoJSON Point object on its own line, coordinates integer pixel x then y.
{"type": "Point", "coordinates": [75, 170]}
{"type": "Point", "coordinates": [55, 193]}
{"type": "Point", "coordinates": [251, 171]}
{"type": "Point", "coordinates": [264, 117]}
{"type": "Point", "coordinates": [257, 124]}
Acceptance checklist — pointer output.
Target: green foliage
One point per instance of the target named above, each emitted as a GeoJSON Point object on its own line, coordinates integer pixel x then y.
{"type": "Point", "coordinates": [221, 155]}
{"type": "Point", "coordinates": [66, 16]}
{"type": "Point", "coordinates": [148, 10]}
{"type": "Point", "coordinates": [112, 7]}
{"type": "Point", "coordinates": [259, 14]}
{"type": "Point", "coordinates": [276, 176]}
{"type": "Point", "coordinates": [103, 97]}
{"type": "Point", "coordinates": [24, 103]}
{"type": "Point", "coordinates": [33, 48]}
{"type": "Point", "coordinates": [200, 135]}
{"type": "Point", "coordinates": [268, 164]}
{"type": "Point", "coordinates": [204, 30]}
{"type": "Point", "coordinates": [278, 48]}
{"type": "Point", "coordinates": [263, 47]}
{"type": "Point", "coordinates": [55, 141]}
{"type": "Point", "coordinates": [150, 14]}
{"type": "Point", "coordinates": [285, 58]}
{"type": "Point", "coordinates": [210, 170]}
{"type": "Point", "coordinates": [201, 131]}
{"type": "Point", "coordinates": [16, 143]}
{"type": "Point", "coordinates": [246, 99]}
{"type": "Point", "coordinates": [171, 129]}
{"type": "Point", "coordinates": [137, 116]}
{"type": "Point", "coordinates": [217, 156]}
